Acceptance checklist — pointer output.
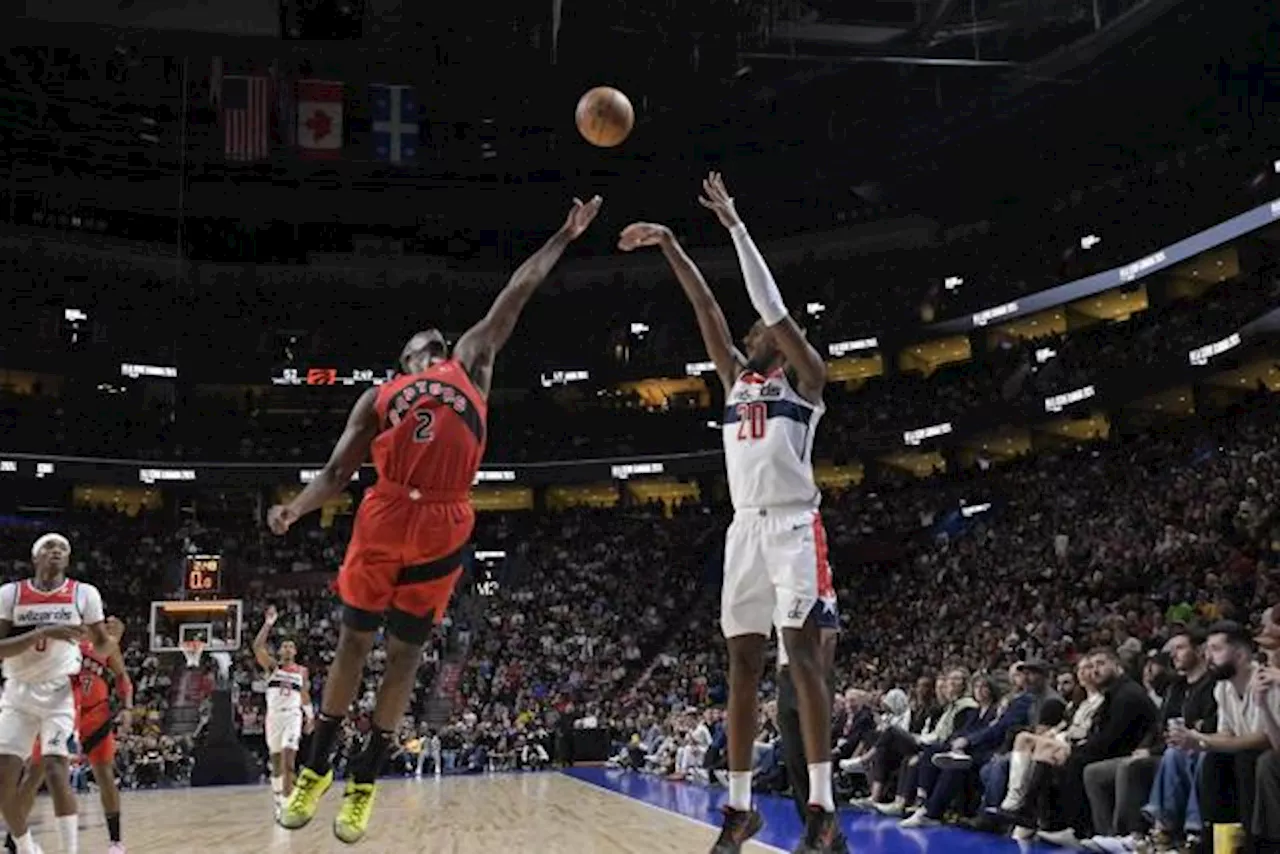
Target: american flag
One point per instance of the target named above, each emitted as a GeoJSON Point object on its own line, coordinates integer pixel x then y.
{"type": "Point", "coordinates": [247, 106]}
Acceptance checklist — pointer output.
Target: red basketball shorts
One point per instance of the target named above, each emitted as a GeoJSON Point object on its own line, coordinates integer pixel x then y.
{"type": "Point", "coordinates": [405, 555]}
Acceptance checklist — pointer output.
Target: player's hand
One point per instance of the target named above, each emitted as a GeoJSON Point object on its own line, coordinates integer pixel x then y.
{"type": "Point", "coordinates": [280, 518]}
{"type": "Point", "coordinates": [271, 615]}
{"type": "Point", "coordinates": [580, 216]}
{"type": "Point", "coordinates": [308, 725]}
{"type": "Point", "coordinates": [642, 234]}
{"type": "Point", "coordinates": [71, 634]}
{"type": "Point", "coordinates": [715, 197]}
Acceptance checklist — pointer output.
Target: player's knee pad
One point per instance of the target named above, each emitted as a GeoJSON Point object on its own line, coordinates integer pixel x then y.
{"type": "Point", "coordinates": [360, 620]}
{"type": "Point", "coordinates": [409, 629]}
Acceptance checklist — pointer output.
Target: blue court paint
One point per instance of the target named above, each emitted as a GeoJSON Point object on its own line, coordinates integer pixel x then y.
{"type": "Point", "coordinates": [867, 832]}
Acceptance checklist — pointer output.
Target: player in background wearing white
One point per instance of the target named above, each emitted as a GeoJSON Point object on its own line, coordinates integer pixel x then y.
{"type": "Point", "coordinates": [50, 613]}
{"type": "Point", "coordinates": [288, 706]}
{"type": "Point", "coordinates": [775, 567]}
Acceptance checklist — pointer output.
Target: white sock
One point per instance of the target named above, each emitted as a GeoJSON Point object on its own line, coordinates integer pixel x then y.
{"type": "Point", "coordinates": [69, 833]}
{"type": "Point", "coordinates": [740, 790]}
{"type": "Point", "coordinates": [26, 845]}
{"type": "Point", "coordinates": [277, 785]}
{"type": "Point", "coordinates": [820, 786]}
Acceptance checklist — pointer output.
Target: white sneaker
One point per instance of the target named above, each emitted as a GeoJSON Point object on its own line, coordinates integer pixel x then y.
{"type": "Point", "coordinates": [116, 848]}
{"type": "Point", "coordinates": [1024, 834]}
{"type": "Point", "coordinates": [895, 809]}
{"type": "Point", "coordinates": [852, 766]}
{"type": "Point", "coordinates": [1112, 844]}
{"type": "Point", "coordinates": [918, 819]}
{"type": "Point", "coordinates": [1062, 838]}
{"type": "Point", "coordinates": [956, 760]}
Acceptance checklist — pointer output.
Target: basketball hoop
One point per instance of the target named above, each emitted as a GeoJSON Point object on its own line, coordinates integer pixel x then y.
{"type": "Point", "coordinates": [192, 650]}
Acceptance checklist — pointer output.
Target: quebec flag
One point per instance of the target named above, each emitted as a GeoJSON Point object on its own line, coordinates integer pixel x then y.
{"type": "Point", "coordinates": [395, 123]}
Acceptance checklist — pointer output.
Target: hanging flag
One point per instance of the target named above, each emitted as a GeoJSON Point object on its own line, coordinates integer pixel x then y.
{"type": "Point", "coordinates": [246, 117]}
{"type": "Point", "coordinates": [395, 123]}
{"type": "Point", "coordinates": [319, 126]}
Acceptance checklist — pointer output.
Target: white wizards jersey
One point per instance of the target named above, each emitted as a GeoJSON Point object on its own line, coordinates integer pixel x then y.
{"type": "Point", "coordinates": [768, 443]}
{"type": "Point", "coordinates": [27, 608]}
{"type": "Point", "coordinates": [284, 690]}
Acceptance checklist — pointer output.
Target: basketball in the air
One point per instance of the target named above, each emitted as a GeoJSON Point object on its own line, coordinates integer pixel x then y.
{"type": "Point", "coordinates": [605, 116]}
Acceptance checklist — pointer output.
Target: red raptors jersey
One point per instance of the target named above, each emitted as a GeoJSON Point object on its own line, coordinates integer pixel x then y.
{"type": "Point", "coordinates": [433, 431]}
{"type": "Point", "coordinates": [93, 685]}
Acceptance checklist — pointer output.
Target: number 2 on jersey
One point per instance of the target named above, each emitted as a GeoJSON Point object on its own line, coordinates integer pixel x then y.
{"type": "Point", "coordinates": [752, 418]}
{"type": "Point", "coordinates": [422, 433]}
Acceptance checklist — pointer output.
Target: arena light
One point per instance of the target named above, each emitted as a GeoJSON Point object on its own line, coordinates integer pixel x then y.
{"type": "Point", "coordinates": [697, 369]}
{"type": "Point", "coordinates": [490, 555]}
{"type": "Point", "coordinates": [814, 309]}
{"type": "Point", "coordinates": [1044, 354]}
{"type": "Point", "coordinates": [1139, 268]}
{"type": "Point", "coordinates": [1089, 241]}
{"type": "Point", "coordinates": [133, 371]}
{"type": "Point", "coordinates": [1059, 402]}
{"type": "Point", "coordinates": [623, 472]}
{"type": "Point", "coordinates": [494, 475]}
{"type": "Point", "coordinates": [714, 425]}
{"type": "Point", "coordinates": [915, 437]}
{"type": "Point", "coordinates": [563, 378]}
{"type": "Point", "coordinates": [44, 470]}
{"type": "Point", "coordinates": [639, 329]}
{"type": "Point", "coordinates": [970, 510]}
{"type": "Point", "coordinates": [152, 476]}
{"type": "Point", "coordinates": [841, 348]}
{"type": "Point", "coordinates": [987, 315]}
{"type": "Point", "coordinates": [8, 466]}
{"type": "Point", "coordinates": [308, 475]}
{"type": "Point", "coordinates": [1200, 356]}
{"type": "Point", "coordinates": [952, 283]}
{"type": "Point", "coordinates": [74, 315]}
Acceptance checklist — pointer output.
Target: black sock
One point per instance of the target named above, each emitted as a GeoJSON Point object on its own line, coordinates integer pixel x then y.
{"type": "Point", "coordinates": [322, 739]}
{"type": "Point", "coordinates": [9, 844]}
{"type": "Point", "coordinates": [367, 767]}
{"type": "Point", "coordinates": [113, 826]}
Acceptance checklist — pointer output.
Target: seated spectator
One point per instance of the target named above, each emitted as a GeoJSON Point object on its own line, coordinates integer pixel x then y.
{"type": "Point", "coordinates": [1229, 769]}
{"type": "Point", "coordinates": [1052, 748]}
{"type": "Point", "coordinates": [1122, 723]}
{"type": "Point", "coordinates": [894, 745]}
{"type": "Point", "coordinates": [1036, 706]}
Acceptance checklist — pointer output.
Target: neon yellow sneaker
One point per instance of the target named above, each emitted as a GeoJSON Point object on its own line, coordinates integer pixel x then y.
{"type": "Point", "coordinates": [305, 798]}
{"type": "Point", "coordinates": [352, 819]}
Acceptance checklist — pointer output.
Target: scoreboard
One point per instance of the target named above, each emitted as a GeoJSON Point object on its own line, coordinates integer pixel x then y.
{"type": "Point", "coordinates": [203, 576]}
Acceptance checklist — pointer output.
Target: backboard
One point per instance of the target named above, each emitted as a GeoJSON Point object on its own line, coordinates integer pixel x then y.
{"type": "Point", "coordinates": [217, 622]}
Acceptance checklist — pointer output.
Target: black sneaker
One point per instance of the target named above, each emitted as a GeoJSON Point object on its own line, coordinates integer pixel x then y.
{"type": "Point", "coordinates": [738, 827]}
{"type": "Point", "coordinates": [822, 834]}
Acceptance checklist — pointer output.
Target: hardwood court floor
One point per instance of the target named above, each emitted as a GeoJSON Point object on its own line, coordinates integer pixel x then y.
{"type": "Point", "coordinates": [535, 813]}
{"type": "Point", "coordinates": [582, 811]}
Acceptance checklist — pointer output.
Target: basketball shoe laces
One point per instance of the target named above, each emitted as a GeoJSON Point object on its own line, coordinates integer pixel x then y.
{"type": "Point", "coordinates": [360, 801]}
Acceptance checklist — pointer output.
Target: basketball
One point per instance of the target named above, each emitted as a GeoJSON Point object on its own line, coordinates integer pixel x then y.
{"type": "Point", "coordinates": [605, 116]}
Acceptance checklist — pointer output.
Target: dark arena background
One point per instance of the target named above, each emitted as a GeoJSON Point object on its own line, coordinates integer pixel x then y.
{"type": "Point", "coordinates": [1035, 241]}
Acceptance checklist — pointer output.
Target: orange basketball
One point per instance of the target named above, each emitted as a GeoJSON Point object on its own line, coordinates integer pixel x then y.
{"type": "Point", "coordinates": [604, 116]}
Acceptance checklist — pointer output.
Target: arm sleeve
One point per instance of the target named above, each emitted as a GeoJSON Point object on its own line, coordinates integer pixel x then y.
{"type": "Point", "coordinates": [761, 287]}
{"type": "Point", "coordinates": [8, 599]}
{"type": "Point", "coordinates": [90, 604]}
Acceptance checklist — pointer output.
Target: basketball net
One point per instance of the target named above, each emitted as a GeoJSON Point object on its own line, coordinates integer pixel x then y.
{"type": "Point", "coordinates": [192, 650]}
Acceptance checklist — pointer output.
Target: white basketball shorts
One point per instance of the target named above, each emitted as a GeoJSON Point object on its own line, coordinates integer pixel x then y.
{"type": "Point", "coordinates": [44, 710]}
{"type": "Point", "coordinates": [775, 570]}
{"type": "Point", "coordinates": [284, 731]}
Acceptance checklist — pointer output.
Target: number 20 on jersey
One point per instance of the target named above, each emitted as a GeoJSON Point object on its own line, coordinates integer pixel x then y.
{"type": "Point", "coordinates": [752, 420]}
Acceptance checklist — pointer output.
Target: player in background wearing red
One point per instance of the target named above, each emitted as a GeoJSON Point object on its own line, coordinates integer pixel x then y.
{"type": "Point", "coordinates": [100, 677]}
{"type": "Point", "coordinates": [289, 710]}
{"type": "Point", "coordinates": [776, 572]}
{"type": "Point", "coordinates": [426, 430]}
{"type": "Point", "coordinates": [50, 614]}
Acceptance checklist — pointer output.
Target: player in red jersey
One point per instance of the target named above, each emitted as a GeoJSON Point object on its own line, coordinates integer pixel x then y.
{"type": "Point", "coordinates": [95, 728]}
{"type": "Point", "coordinates": [426, 430]}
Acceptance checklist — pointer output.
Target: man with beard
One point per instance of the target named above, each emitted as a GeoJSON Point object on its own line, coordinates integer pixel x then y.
{"type": "Point", "coordinates": [1228, 783]}
{"type": "Point", "coordinates": [1125, 720]}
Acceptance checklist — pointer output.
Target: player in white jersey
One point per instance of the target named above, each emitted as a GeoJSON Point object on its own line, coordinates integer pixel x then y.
{"type": "Point", "coordinates": [775, 568]}
{"type": "Point", "coordinates": [50, 613]}
{"type": "Point", "coordinates": [288, 706]}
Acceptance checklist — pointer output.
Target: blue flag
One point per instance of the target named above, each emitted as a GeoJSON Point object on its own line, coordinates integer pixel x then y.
{"type": "Point", "coordinates": [395, 123]}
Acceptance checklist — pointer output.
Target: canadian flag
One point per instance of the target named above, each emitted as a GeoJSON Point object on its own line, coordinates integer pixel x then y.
{"type": "Point", "coordinates": [319, 118]}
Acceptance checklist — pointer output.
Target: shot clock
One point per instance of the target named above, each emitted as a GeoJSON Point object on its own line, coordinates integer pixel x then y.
{"type": "Point", "coordinates": [203, 576]}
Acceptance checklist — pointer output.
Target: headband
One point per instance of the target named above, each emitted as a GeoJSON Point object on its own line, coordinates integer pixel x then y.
{"type": "Point", "coordinates": [46, 539]}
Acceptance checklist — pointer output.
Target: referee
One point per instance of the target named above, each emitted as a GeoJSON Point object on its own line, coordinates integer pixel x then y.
{"type": "Point", "coordinates": [789, 712]}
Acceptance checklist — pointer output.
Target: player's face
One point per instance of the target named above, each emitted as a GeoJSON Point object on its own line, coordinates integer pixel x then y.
{"type": "Point", "coordinates": [761, 351]}
{"type": "Point", "coordinates": [288, 652]}
{"type": "Point", "coordinates": [421, 349]}
{"type": "Point", "coordinates": [53, 556]}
